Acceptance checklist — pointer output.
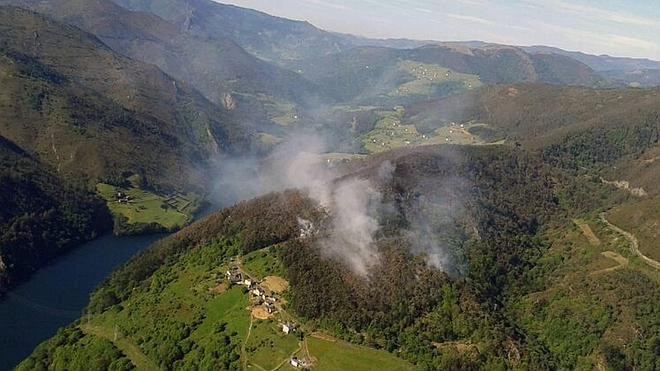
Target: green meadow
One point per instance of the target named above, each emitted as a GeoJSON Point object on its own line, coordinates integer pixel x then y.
{"type": "Point", "coordinates": [146, 208]}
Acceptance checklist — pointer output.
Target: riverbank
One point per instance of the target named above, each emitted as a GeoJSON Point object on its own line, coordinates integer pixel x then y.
{"type": "Point", "coordinates": [56, 294]}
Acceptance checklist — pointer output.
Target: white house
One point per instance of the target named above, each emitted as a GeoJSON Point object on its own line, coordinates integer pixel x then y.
{"type": "Point", "coordinates": [295, 362]}
{"type": "Point", "coordinates": [288, 328]}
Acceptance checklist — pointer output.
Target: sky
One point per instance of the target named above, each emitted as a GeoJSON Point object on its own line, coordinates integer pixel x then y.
{"type": "Point", "coordinates": [628, 28]}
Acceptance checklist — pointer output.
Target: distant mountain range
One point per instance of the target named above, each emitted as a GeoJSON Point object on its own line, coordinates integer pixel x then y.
{"type": "Point", "coordinates": [482, 175]}
{"type": "Point", "coordinates": [285, 41]}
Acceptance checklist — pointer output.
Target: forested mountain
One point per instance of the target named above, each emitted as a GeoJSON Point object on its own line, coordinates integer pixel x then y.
{"type": "Point", "coordinates": [599, 63]}
{"type": "Point", "coordinates": [41, 217]}
{"type": "Point", "coordinates": [372, 71]}
{"type": "Point", "coordinates": [290, 43]}
{"type": "Point", "coordinates": [83, 114]}
{"type": "Point", "coordinates": [471, 317]}
{"type": "Point", "coordinates": [434, 205]}
{"type": "Point", "coordinates": [160, 125]}
{"type": "Point", "coordinates": [278, 40]}
{"type": "Point", "coordinates": [614, 131]}
{"type": "Point", "coordinates": [216, 66]}
{"type": "Point", "coordinates": [540, 115]}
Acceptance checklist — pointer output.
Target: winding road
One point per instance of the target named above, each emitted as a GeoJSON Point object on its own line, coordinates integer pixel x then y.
{"type": "Point", "coordinates": [634, 243]}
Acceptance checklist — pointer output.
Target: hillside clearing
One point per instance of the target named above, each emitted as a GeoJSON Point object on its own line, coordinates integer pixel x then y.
{"type": "Point", "coordinates": [141, 207]}
{"type": "Point", "coordinates": [339, 355]}
{"type": "Point", "coordinates": [634, 243]}
{"type": "Point", "coordinates": [622, 263]}
{"type": "Point", "coordinates": [391, 132]}
{"type": "Point", "coordinates": [588, 232]}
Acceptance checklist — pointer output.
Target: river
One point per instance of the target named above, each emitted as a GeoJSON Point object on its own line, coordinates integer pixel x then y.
{"type": "Point", "coordinates": [55, 295]}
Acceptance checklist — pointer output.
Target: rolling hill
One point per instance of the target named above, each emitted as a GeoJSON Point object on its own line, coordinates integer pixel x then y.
{"type": "Point", "coordinates": [614, 133]}
{"type": "Point", "coordinates": [599, 63]}
{"type": "Point", "coordinates": [301, 46]}
{"type": "Point", "coordinates": [541, 115]}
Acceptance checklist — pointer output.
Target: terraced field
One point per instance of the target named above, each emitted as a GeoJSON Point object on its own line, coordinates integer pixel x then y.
{"type": "Point", "coordinates": [141, 207]}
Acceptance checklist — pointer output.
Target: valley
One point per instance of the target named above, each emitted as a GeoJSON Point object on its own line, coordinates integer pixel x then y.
{"type": "Point", "coordinates": [195, 185]}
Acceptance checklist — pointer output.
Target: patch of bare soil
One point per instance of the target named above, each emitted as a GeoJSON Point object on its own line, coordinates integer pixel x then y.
{"type": "Point", "coordinates": [322, 336]}
{"type": "Point", "coordinates": [623, 262]}
{"type": "Point", "coordinates": [588, 233]}
{"type": "Point", "coordinates": [275, 284]}
{"type": "Point", "coordinates": [222, 287]}
{"type": "Point", "coordinates": [261, 313]}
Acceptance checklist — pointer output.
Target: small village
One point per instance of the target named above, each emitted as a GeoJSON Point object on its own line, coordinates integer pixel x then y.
{"type": "Point", "coordinates": [123, 198]}
{"type": "Point", "coordinates": [265, 302]}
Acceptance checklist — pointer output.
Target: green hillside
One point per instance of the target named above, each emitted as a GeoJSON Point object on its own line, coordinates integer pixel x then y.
{"type": "Point", "coordinates": [476, 206]}
{"type": "Point", "coordinates": [137, 210]}
{"type": "Point", "coordinates": [516, 242]}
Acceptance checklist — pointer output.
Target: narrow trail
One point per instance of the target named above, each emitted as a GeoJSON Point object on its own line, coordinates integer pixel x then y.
{"type": "Point", "coordinates": [634, 243]}
{"type": "Point", "coordinates": [287, 359]}
{"type": "Point", "coordinates": [623, 262]}
{"type": "Point", "coordinates": [247, 337]}
{"type": "Point", "coordinates": [130, 349]}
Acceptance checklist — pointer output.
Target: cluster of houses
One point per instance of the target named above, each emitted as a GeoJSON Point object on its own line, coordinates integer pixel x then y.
{"type": "Point", "coordinates": [258, 295]}
{"type": "Point", "coordinates": [123, 198]}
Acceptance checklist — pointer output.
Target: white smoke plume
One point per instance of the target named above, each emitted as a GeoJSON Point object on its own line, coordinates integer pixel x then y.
{"type": "Point", "coordinates": [351, 203]}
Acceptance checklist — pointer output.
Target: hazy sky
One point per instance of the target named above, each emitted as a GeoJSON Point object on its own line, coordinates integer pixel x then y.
{"type": "Point", "coordinates": [614, 27]}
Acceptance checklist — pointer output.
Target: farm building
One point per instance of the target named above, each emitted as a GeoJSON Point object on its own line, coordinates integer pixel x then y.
{"type": "Point", "coordinates": [234, 276]}
{"type": "Point", "coordinates": [289, 327]}
{"type": "Point", "coordinates": [295, 362]}
{"type": "Point", "coordinates": [270, 307]}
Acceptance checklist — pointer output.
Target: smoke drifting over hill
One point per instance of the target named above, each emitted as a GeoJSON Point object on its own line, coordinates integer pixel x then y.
{"type": "Point", "coordinates": [354, 203]}
{"type": "Point", "coordinates": [351, 203]}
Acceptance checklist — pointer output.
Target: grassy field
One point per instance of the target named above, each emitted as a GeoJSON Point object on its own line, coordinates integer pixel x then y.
{"type": "Point", "coordinates": [279, 111]}
{"type": "Point", "coordinates": [390, 132]}
{"type": "Point", "coordinates": [331, 355]}
{"type": "Point", "coordinates": [228, 307]}
{"type": "Point", "coordinates": [268, 346]}
{"type": "Point", "coordinates": [262, 263]}
{"type": "Point", "coordinates": [170, 212]}
{"type": "Point", "coordinates": [642, 219]}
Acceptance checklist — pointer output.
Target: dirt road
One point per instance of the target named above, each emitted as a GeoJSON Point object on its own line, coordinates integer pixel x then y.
{"type": "Point", "coordinates": [634, 243]}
